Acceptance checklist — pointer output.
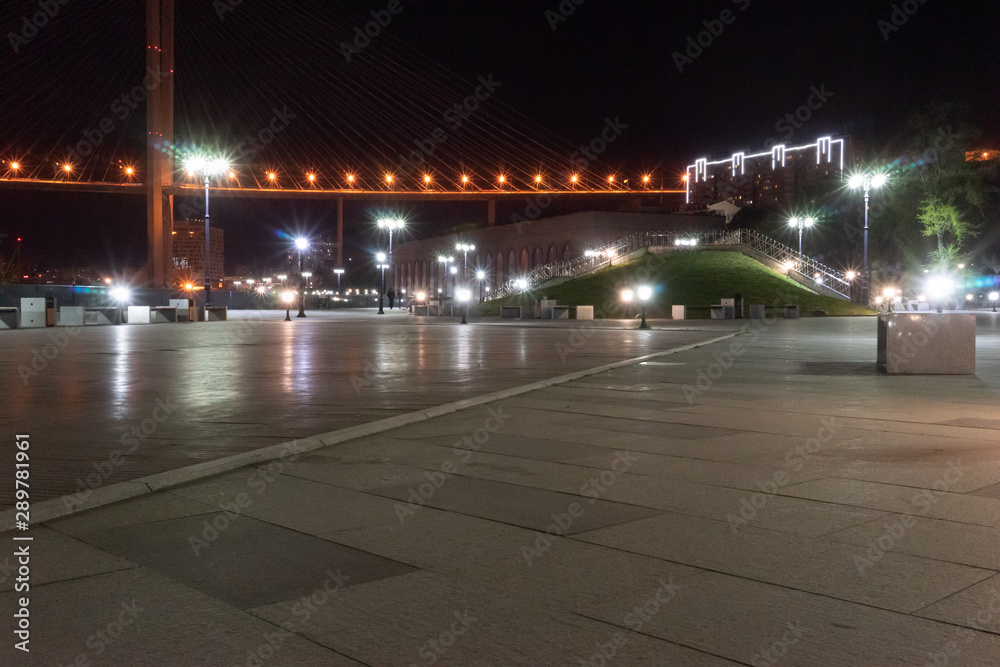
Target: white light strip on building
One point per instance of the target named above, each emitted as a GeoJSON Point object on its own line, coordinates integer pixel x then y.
{"type": "Point", "coordinates": [823, 146]}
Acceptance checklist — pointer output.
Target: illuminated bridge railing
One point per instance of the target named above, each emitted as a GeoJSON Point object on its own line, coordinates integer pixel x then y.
{"type": "Point", "coordinates": [822, 276]}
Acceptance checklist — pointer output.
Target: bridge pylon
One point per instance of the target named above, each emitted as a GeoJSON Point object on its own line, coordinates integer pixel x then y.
{"type": "Point", "coordinates": [159, 142]}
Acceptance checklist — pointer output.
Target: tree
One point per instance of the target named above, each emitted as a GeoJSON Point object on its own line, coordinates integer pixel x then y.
{"type": "Point", "coordinates": [943, 220]}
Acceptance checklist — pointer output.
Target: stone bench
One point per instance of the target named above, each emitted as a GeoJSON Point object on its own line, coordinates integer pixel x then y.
{"type": "Point", "coordinates": [71, 316]}
{"type": "Point", "coordinates": [927, 344]}
{"type": "Point", "coordinates": [8, 318]}
{"type": "Point", "coordinates": [108, 315]}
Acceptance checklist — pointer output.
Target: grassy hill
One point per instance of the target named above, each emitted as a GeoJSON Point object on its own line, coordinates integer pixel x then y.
{"type": "Point", "coordinates": [693, 278]}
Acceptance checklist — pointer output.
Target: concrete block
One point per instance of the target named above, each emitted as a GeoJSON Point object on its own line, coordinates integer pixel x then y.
{"type": "Point", "coordinates": [791, 311]}
{"type": "Point", "coordinates": [182, 306]}
{"type": "Point", "coordinates": [510, 312]}
{"type": "Point", "coordinates": [559, 312]}
{"type": "Point", "coordinates": [927, 344]}
{"type": "Point", "coordinates": [584, 312]}
{"type": "Point", "coordinates": [32, 314]}
{"type": "Point", "coordinates": [102, 316]}
{"type": "Point", "coordinates": [543, 308]}
{"type": "Point", "coordinates": [138, 315]}
{"type": "Point", "coordinates": [678, 312]}
{"type": "Point", "coordinates": [8, 318]}
{"type": "Point", "coordinates": [421, 311]}
{"type": "Point", "coordinates": [216, 314]}
{"type": "Point", "coordinates": [163, 315]}
{"type": "Point", "coordinates": [757, 311]}
{"type": "Point", "coordinates": [70, 316]}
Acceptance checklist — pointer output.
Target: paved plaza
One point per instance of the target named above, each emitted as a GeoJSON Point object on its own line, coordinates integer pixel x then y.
{"type": "Point", "coordinates": [766, 498]}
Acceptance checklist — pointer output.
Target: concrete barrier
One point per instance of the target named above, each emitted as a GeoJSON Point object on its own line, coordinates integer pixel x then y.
{"type": "Point", "coordinates": [584, 312]}
{"type": "Point", "coordinates": [8, 318]}
{"type": "Point", "coordinates": [163, 315]}
{"type": "Point", "coordinates": [926, 344]}
{"type": "Point", "coordinates": [102, 316]}
{"type": "Point", "coordinates": [138, 315]}
{"type": "Point", "coordinates": [678, 312]}
{"type": "Point", "coordinates": [70, 316]}
{"type": "Point", "coordinates": [33, 315]}
{"type": "Point", "coordinates": [559, 312]}
{"type": "Point", "coordinates": [510, 312]}
{"type": "Point", "coordinates": [183, 307]}
{"type": "Point", "coordinates": [216, 314]}
{"type": "Point", "coordinates": [420, 311]}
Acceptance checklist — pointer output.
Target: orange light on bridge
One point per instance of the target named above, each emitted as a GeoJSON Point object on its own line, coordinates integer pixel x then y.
{"type": "Point", "coordinates": [502, 179]}
{"type": "Point", "coordinates": [684, 178]}
{"type": "Point", "coordinates": [188, 287]}
{"type": "Point", "coordinates": [574, 179]}
{"type": "Point", "coordinates": [232, 174]}
{"type": "Point", "coordinates": [427, 179]}
{"type": "Point", "coordinates": [68, 168]}
{"type": "Point", "coordinates": [465, 180]}
{"type": "Point", "coordinates": [312, 178]}
{"type": "Point", "coordinates": [611, 179]}
{"type": "Point", "coordinates": [645, 179]}
{"type": "Point", "coordinates": [14, 166]}
{"type": "Point", "coordinates": [350, 178]}
{"type": "Point", "coordinates": [388, 179]}
{"type": "Point", "coordinates": [271, 176]}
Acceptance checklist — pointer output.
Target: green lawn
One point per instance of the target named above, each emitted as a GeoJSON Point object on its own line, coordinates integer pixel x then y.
{"type": "Point", "coordinates": [693, 278]}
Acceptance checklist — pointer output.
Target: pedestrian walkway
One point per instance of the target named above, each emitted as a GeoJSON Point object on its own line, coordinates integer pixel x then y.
{"type": "Point", "coordinates": [768, 499]}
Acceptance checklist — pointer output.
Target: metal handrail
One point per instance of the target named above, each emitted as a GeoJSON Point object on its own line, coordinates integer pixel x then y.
{"type": "Point", "coordinates": [829, 278]}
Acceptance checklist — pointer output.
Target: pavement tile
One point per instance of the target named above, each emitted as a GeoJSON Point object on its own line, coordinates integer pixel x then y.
{"type": "Point", "coordinates": [976, 607]}
{"type": "Point", "coordinates": [143, 509]}
{"type": "Point", "coordinates": [897, 582]}
{"type": "Point", "coordinates": [424, 618]}
{"type": "Point", "coordinates": [243, 561]}
{"type": "Point", "coordinates": [142, 619]}
{"type": "Point", "coordinates": [55, 557]}
{"type": "Point", "coordinates": [964, 508]}
{"type": "Point", "coordinates": [523, 506]}
{"type": "Point", "coordinates": [757, 623]}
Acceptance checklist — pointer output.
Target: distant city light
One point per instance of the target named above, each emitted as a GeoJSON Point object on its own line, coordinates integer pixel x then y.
{"type": "Point", "coordinates": [628, 295]}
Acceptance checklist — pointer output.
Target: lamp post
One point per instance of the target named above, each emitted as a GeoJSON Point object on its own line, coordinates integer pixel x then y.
{"type": "Point", "coordinates": [391, 225]}
{"type": "Point", "coordinates": [463, 295]}
{"type": "Point", "coordinates": [465, 248]}
{"type": "Point", "coordinates": [800, 224]}
{"type": "Point", "coordinates": [121, 295]}
{"type": "Point", "coordinates": [447, 265]}
{"type": "Point", "coordinates": [481, 277]}
{"type": "Point", "coordinates": [381, 266]}
{"type": "Point", "coordinates": [302, 244]}
{"type": "Point", "coordinates": [207, 167]}
{"type": "Point", "coordinates": [288, 298]}
{"type": "Point", "coordinates": [645, 293]}
{"type": "Point", "coordinates": [866, 182]}
{"type": "Point", "coordinates": [994, 297]}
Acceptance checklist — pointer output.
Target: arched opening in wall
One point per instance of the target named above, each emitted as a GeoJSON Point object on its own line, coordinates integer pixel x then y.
{"type": "Point", "coordinates": [512, 264]}
{"type": "Point", "coordinates": [537, 257]}
{"type": "Point", "coordinates": [525, 263]}
{"type": "Point", "coordinates": [551, 257]}
{"type": "Point", "coordinates": [566, 256]}
{"type": "Point", "coordinates": [499, 276]}
{"type": "Point", "coordinates": [422, 277]}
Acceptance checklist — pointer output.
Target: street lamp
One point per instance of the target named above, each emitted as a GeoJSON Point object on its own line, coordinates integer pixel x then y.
{"type": "Point", "coordinates": [800, 224]}
{"type": "Point", "coordinates": [288, 298]}
{"type": "Point", "coordinates": [463, 295]}
{"type": "Point", "coordinates": [645, 293]}
{"type": "Point", "coordinates": [866, 182]}
{"type": "Point", "coordinates": [447, 263]}
{"type": "Point", "coordinates": [381, 265]}
{"type": "Point", "coordinates": [121, 295]}
{"type": "Point", "coordinates": [283, 278]}
{"type": "Point", "coordinates": [391, 225]}
{"type": "Point", "coordinates": [302, 244]}
{"type": "Point", "coordinates": [465, 248]}
{"type": "Point", "coordinates": [339, 273]}
{"type": "Point", "coordinates": [481, 277]}
{"type": "Point", "coordinates": [207, 167]}
{"type": "Point", "coordinates": [994, 297]}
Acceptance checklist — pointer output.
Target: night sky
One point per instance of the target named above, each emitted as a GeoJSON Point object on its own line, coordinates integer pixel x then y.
{"type": "Point", "coordinates": [560, 75]}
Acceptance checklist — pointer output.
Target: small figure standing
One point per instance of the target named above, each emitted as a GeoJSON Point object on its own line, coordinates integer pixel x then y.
{"type": "Point", "coordinates": [392, 297]}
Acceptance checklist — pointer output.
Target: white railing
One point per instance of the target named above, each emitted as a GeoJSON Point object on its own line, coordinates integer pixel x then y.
{"type": "Point", "coordinates": [822, 276]}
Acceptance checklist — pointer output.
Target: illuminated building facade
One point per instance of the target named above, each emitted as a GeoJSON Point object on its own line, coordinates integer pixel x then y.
{"type": "Point", "coordinates": [189, 252]}
{"type": "Point", "coordinates": [771, 178]}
